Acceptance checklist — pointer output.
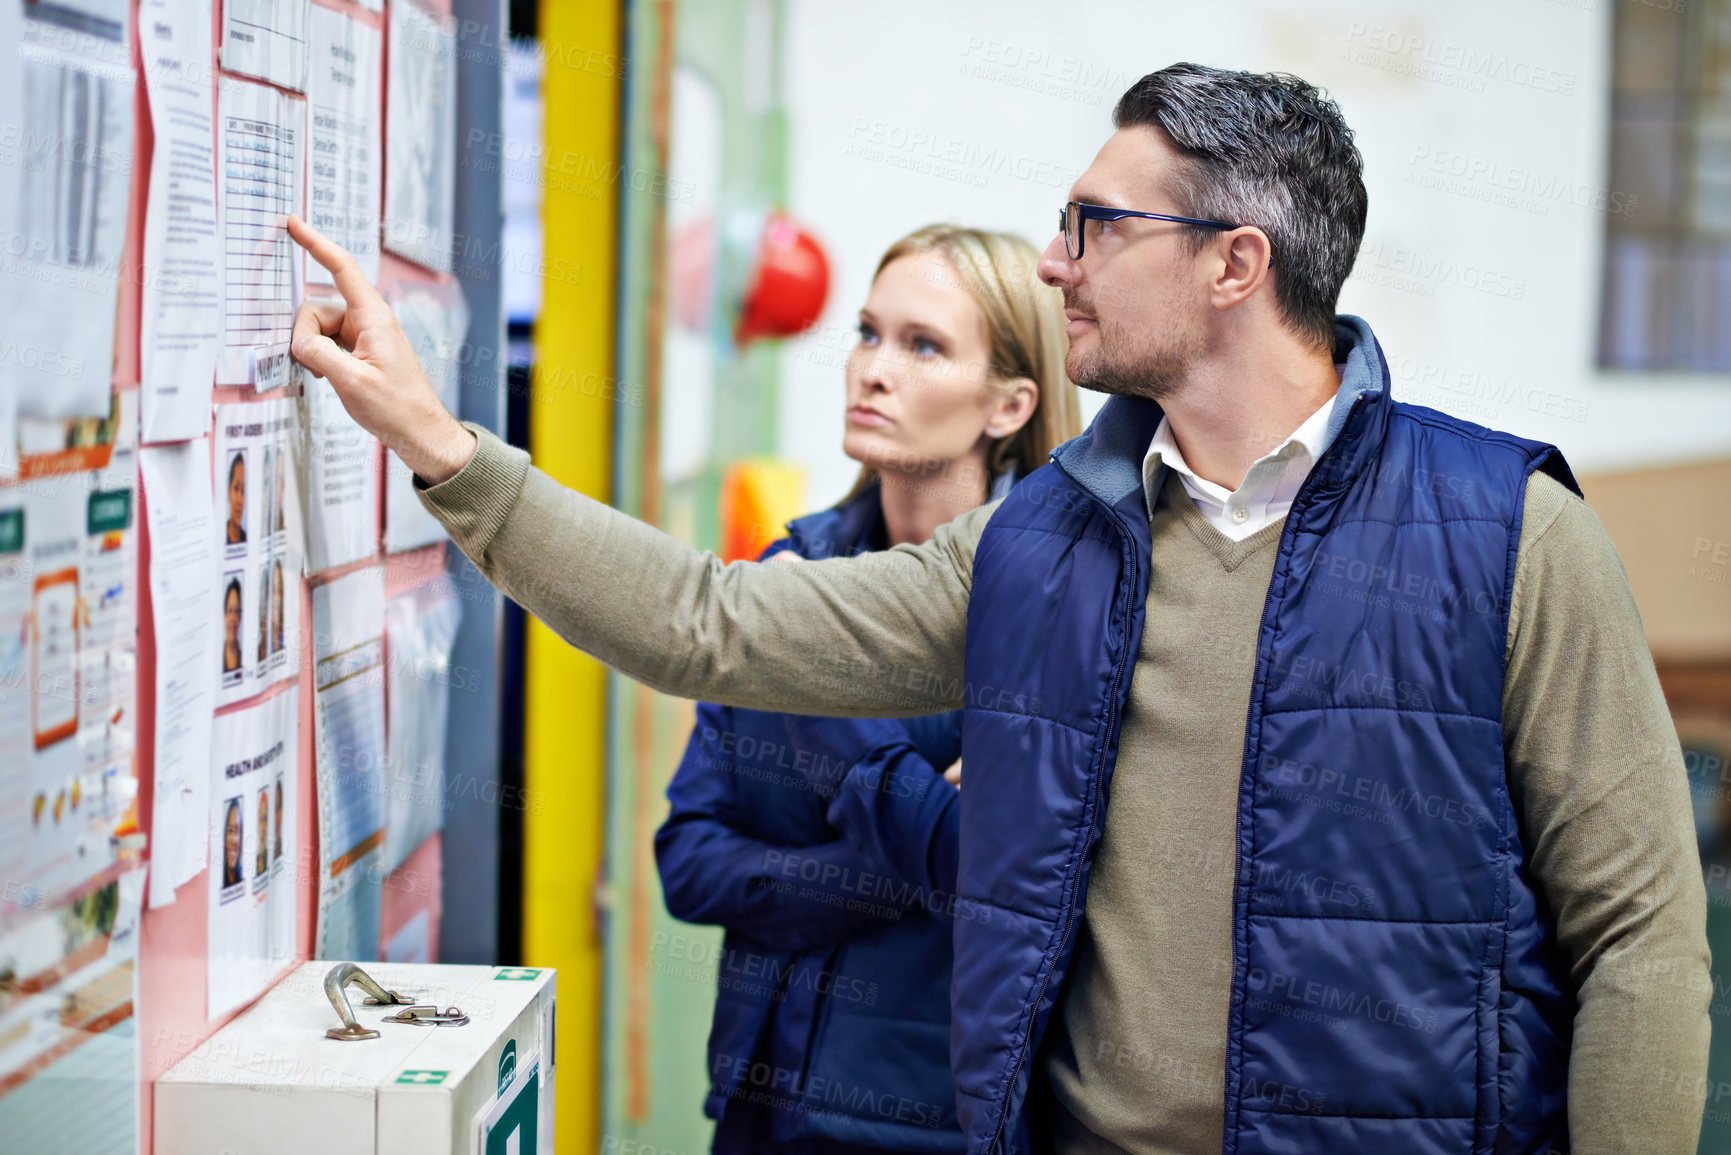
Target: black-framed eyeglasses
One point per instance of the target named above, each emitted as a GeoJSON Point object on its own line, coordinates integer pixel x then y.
{"type": "Point", "coordinates": [1074, 214]}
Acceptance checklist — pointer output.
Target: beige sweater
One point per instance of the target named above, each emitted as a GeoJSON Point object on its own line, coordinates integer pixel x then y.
{"type": "Point", "coordinates": [1595, 772]}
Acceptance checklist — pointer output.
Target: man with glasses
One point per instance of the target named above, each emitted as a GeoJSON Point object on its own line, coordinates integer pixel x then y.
{"type": "Point", "coordinates": [1320, 792]}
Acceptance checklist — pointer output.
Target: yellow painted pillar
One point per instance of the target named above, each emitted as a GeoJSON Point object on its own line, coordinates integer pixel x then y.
{"type": "Point", "coordinates": [571, 437]}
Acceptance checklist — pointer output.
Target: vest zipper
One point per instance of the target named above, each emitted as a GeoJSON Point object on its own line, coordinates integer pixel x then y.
{"type": "Point", "coordinates": [1257, 688]}
{"type": "Point", "coordinates": [1113, 714]}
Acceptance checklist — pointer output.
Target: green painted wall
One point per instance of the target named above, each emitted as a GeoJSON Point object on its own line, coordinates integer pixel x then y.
{"type": "Point", "coordinates": [660, 986]}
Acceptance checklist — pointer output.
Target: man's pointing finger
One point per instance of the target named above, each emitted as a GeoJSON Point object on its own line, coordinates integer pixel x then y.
{"type": "Point", "coordinates": [338, 261]}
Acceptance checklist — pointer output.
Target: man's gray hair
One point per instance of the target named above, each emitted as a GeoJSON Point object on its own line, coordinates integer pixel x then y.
{"type": "Point", "coordinates": [1269, 150]}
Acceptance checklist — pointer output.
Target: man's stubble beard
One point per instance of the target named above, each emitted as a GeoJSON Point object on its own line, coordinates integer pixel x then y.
{"type": "Point", "coordinates": [1135, 364]}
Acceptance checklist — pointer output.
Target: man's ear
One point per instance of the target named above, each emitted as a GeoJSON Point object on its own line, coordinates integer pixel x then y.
{"type": "Point", "coordinates": [1014, 402]}
{"type": "Point", "coordinates": [1246, 260]}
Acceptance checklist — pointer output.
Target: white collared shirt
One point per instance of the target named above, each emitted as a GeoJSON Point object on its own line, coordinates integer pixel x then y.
{"type": "Point", "coordinates": [1268, 488]}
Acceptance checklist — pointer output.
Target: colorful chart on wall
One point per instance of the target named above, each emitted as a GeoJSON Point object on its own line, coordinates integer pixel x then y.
{"type": "Point", "coordinates": [69, 1053]}
{"type": "Point", "coordinates": [68, 616]}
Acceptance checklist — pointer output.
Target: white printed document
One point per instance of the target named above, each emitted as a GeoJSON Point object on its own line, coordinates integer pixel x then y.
{"type": "Point", "coordinates": [67, 233]}
{"type": "Point", "coordinates": [260, 150]}
{"type": "Point", "coordinates": [267, 39]}
{"type": "Point", "coordinates": [420, 137]}
{"type": "Point", "coordinates": [344, 161]}
{"type": "Point", "coordinates": [180, 322]}
{"type": "Point", "coordinates": [178, 509]}
{"type": "Point", "coordinates": [253, 806]}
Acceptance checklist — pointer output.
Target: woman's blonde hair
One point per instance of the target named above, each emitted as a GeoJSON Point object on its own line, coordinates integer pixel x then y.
{"type": "Point", "coordinates": [1024, 330]}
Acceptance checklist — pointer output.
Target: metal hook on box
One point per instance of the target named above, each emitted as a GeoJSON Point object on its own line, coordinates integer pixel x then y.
{"type": "Point", "coordinates": [348, 974]}
{"type": "Point", "coordinates": [428, 1015]}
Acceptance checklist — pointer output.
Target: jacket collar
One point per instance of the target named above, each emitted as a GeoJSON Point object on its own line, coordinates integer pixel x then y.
{"type": "Point", "coordinates": [857, 526]}
{"type": "Point", "coordinates": [1107, 458]}
{"type": "Point", "coordinates": [852, 527]}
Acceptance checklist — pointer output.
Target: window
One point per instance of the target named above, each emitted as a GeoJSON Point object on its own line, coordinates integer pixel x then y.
{"type": "Point", "coordinates": [1667, 278]}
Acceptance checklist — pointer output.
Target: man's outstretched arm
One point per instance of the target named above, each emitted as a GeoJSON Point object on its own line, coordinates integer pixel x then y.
{"type": "Point", "coordinates": [876, 635]}
{"type": "Point", "coordinates": [1597, 777]}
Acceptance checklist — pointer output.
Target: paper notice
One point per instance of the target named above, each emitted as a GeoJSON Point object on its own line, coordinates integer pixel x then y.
{"type": "Point", "coordinates": [349, 721]}
{"type": "Point", "coordinates": [65, 238]}
{"type": "Point", "coordinates": [420, 626]}
{"type": "Point", "coordinates": [253, 826]}
{"type": "Point", "coordinates": [260, 144]}
{"type": "Point", "coordinates": [182, 587]}
{"type": "Point", "coordinates": [70, 1066]}
{"type": "Point", "coordinates": [267, 39]}
{"type": "Point", "coordinates": [344, 160]}
{"type": "Point", "coordinates": [181, 316]}
{"type": "Point", "coordinates": [67, 727]}
{"type": "Point", "coordinates": [420, 137]}
{"type": "Point", "coordinates": [257, 545]}
{"type": "Point", "coordinates": [342, 481]}
{"type": "Point", "coordinates": [436, 320]}
{"type": "Point", "coordinates": [11, 125]}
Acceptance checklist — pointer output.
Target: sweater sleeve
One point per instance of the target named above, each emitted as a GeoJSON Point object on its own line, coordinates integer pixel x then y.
{"type": "Point", "coordinates": [1597, 777]}
{"type": "Point", "coordinates": [713, 871]}
{"type": "Point", "coordinates": [895, 807]}
{"type": "Point", "coordinates": [878, 635]}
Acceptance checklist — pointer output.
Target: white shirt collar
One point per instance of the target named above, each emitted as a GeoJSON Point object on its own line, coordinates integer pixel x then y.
{"type": "Point", "coordinates": [1269, 485]}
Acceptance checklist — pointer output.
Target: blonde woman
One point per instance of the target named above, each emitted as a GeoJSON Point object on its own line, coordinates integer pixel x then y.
{"type": "Point", "coordinates": [836, 967]}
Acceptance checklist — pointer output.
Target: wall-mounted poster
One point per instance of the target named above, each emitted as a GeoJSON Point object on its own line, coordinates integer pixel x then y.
{"type": "Point", "coordinates": [67, 233]}
{"type": "Point", "coordinates": [268, 39]}
{"type": "Point", "coordinates": [258, 547]}
{"type": "Point", "coordinates": [179, 513]}
{"type": "Point", "coordinates": [420, 627]}
{"type": "Point", "coordinates": [69, 1065]}
{"type": "Point", "coordinates": [253, 808]}
{"type": "Point", "coordinates": [260, 154]}
{"type": "Point", "coordinates": [345, 164]}
{"type": "Point", "coordinates": [421, 136]}
{"type": "Point", "coordinates": [435, 319]}
{"type": "Point", "coordinates": [68, 615]}
{"type": "Point", "coordinates": [349, 722]}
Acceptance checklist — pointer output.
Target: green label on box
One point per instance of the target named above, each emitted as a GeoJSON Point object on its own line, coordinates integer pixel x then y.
{"type": "Point", "coordinates": [517, 974]}
{"type": "Point", "coordinates": [423, 1078]}
{"type": "Point", "coordinates": [11, 531]}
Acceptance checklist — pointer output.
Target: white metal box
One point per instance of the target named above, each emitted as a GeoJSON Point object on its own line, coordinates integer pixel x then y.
{"type": "Point", "coordinates": [272, 1083]}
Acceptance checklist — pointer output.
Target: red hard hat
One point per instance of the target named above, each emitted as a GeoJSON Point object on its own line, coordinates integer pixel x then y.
{"type": "Point", "coordinates": [789, 283]}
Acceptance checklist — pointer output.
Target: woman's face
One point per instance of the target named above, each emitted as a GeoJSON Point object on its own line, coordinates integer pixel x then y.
{"type": "Point", "coordinates": [237, 492]}
{"type": "Point", "coordinates": [231, 615]}
{"type": "Point", "coordinates": [231, 837]}
{"type": "Point", "coordinates": [919, 383]}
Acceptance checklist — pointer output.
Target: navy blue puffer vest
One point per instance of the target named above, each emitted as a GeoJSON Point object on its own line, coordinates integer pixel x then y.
{"type": "Point", "coordinates": [1397, 985]}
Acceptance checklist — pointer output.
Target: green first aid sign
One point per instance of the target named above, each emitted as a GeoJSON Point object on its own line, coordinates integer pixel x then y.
{"type": "Point", "coordinates": [513, 1126]}
{"type": "Point", "coordinates": [423, 1078]}
{"type": "Point", "coordinates": [517, 974]}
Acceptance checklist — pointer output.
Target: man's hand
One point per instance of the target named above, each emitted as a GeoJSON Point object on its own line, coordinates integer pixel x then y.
{"type": "Point", "coordinates": [356, 344]}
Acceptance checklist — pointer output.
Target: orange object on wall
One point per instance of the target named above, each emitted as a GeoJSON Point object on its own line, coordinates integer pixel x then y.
{"type": "Point", "coordinates": [758, 498]}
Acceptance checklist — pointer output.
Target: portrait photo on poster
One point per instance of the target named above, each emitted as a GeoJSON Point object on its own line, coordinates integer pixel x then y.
{"type": "Point", "coordinates": [233, 834]}
{"type": "Point", "coordinates": [260, 544]}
